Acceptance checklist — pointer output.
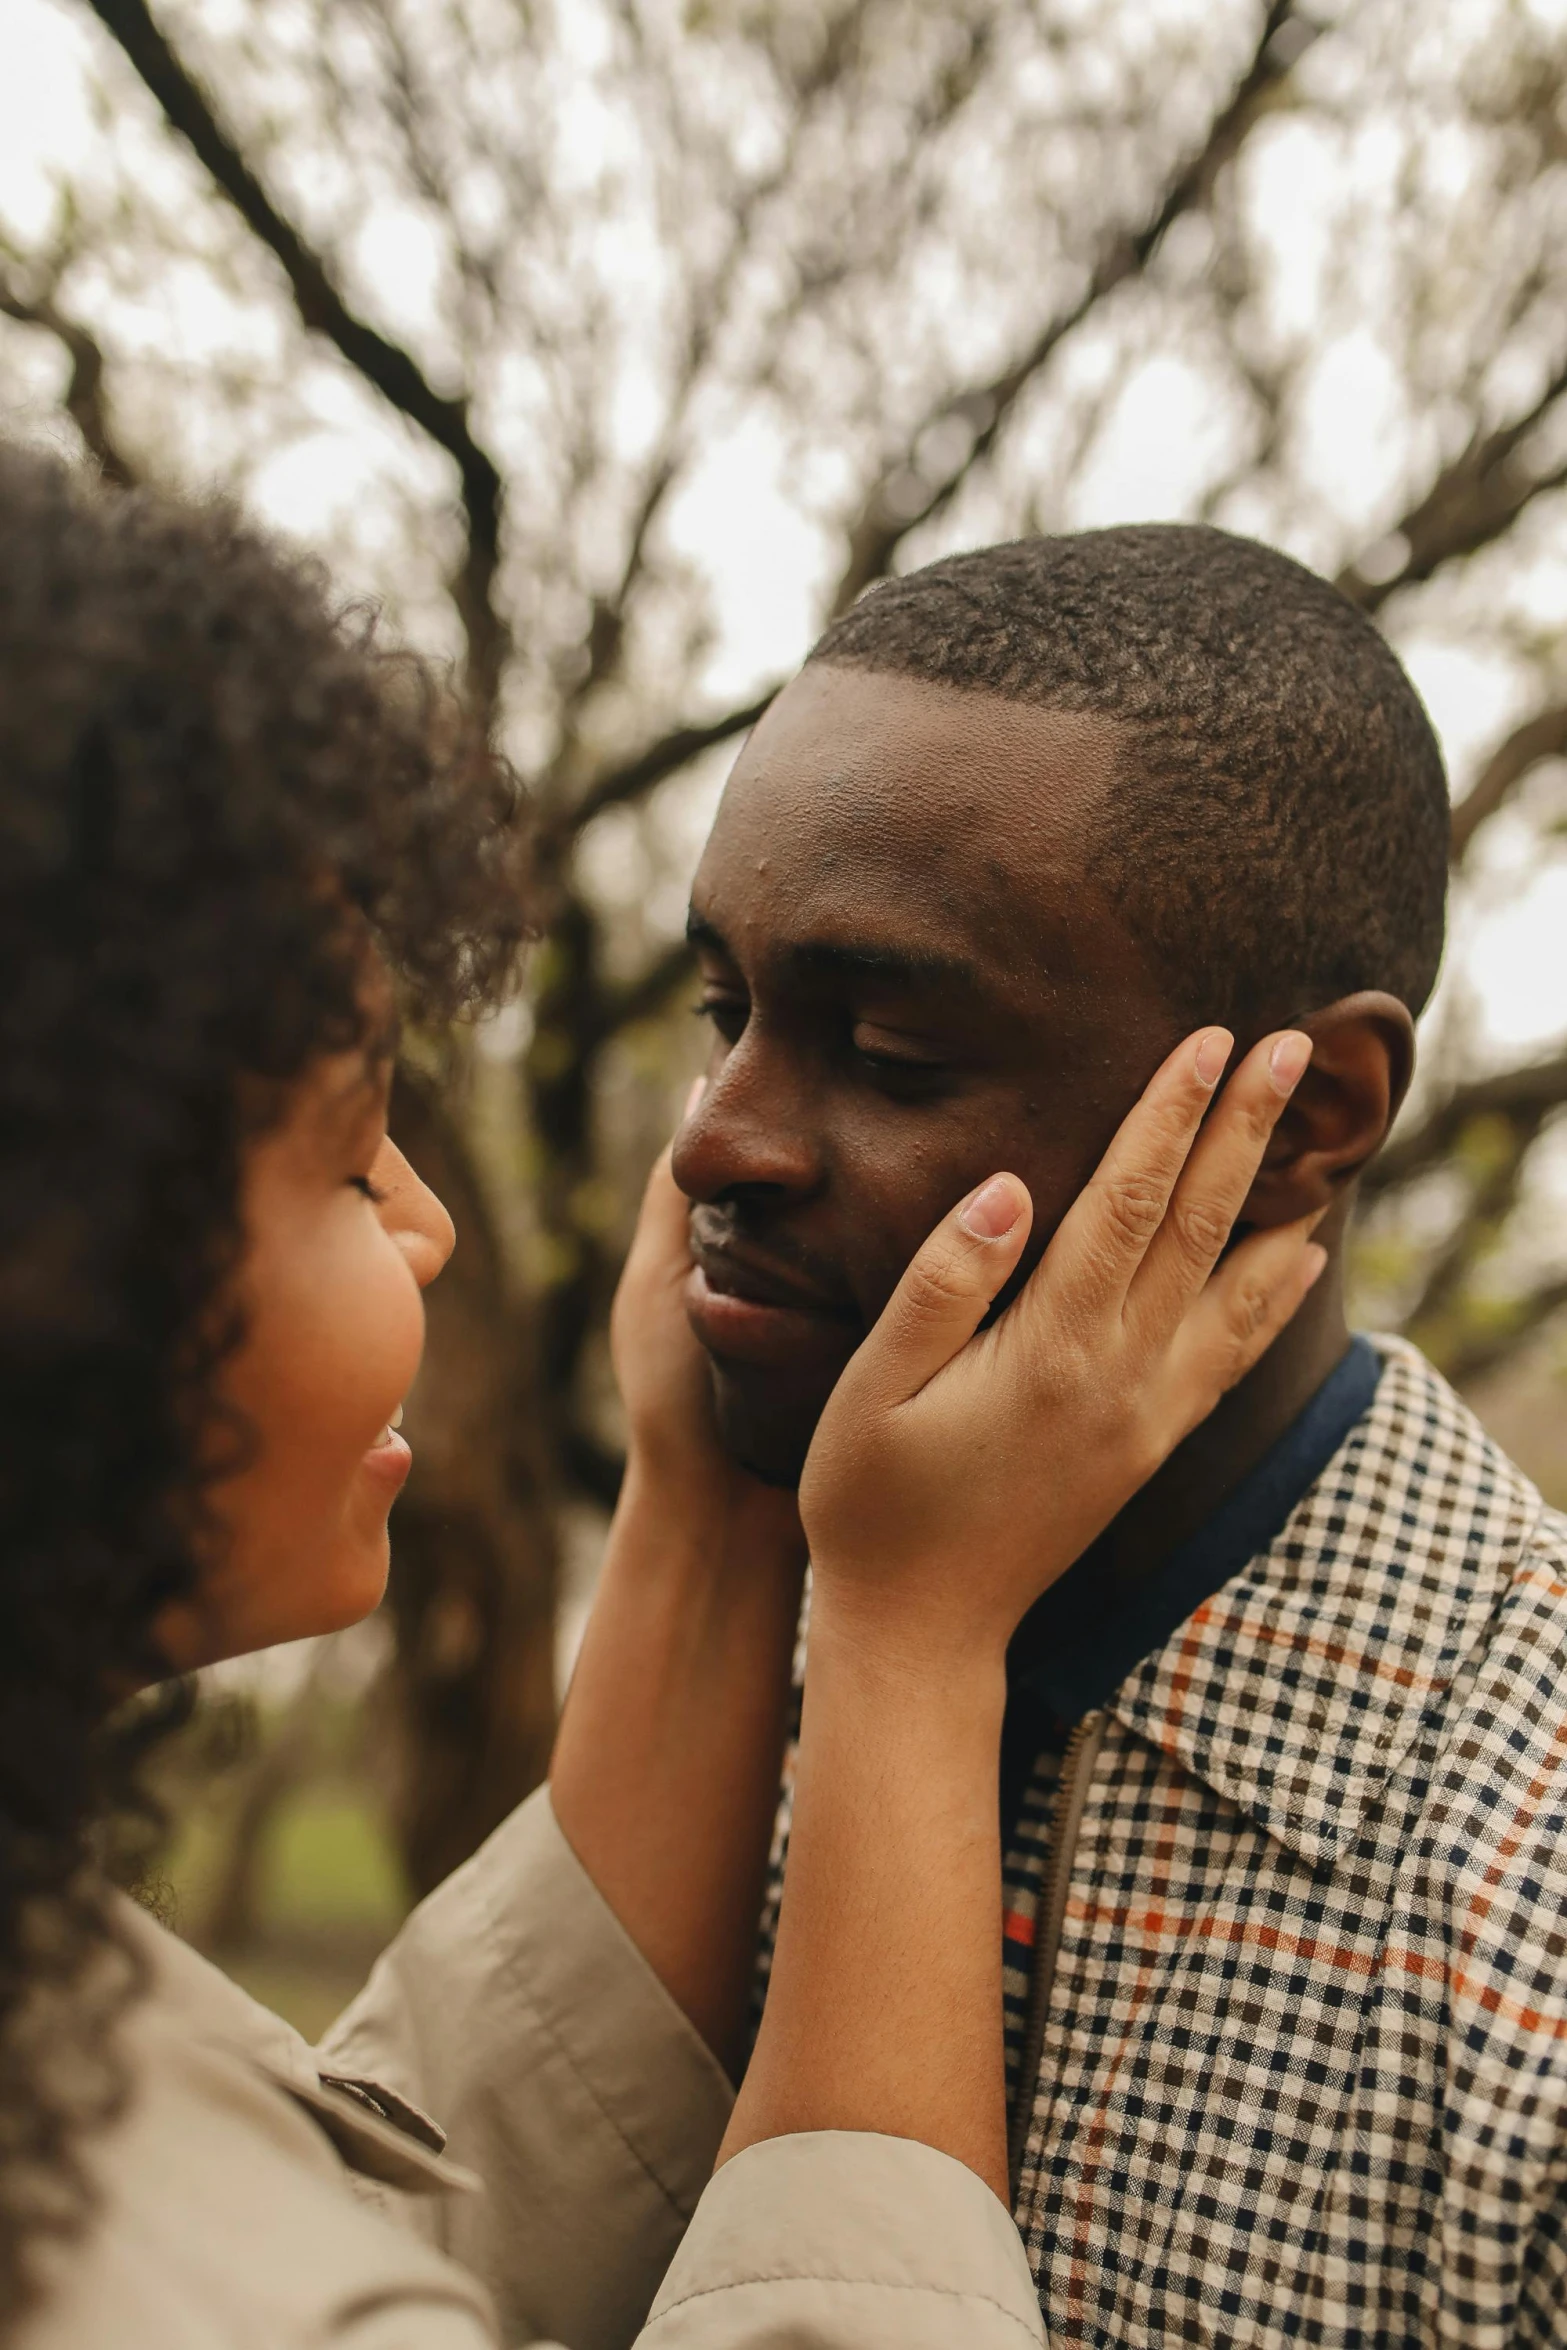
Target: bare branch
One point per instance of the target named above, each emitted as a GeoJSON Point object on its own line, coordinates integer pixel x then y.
{"type": "Point", "coordinates": [646, 995]}
{"type": "Point", "coordinates": [393, 372]}
{"type": "Point", "coordinates": [710, 306]}
{"type": "Point", "coordinates": [1544, 736]}
{"type": "Point", "coordinates": [904, 497]}
{"type": "Point", "coordinates": [620, 784]}
{"type": "Point", "coordinates": [885, 520]}
{"type": "Point", "coordinates": [1524, 1093]}
{"type": "Point", "coordinates": [1494, 1197]}
{"type": "Point", "coordinates": [1470, 504]}
{"type": "Point", "coordinates": [84, 392]}
{"type": "Point", "coordinates": [1483, 1350]}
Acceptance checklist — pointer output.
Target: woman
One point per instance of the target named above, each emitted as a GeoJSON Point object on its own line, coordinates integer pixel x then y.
{"type": "Point", "coordinates": [237, 843]}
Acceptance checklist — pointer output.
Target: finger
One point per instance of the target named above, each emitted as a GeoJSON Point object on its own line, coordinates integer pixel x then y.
{"type": "Point", "coordinates": [1235, 1319]}
{"type": "Point", "coordinates": [1215, 1181]}
{"type": "Point", "coordinates": [661, 1242]}
{"type": "Point", "coordinates": [947, 1290]}
{"type": "Point", "coordinates": [1101, 1242]}
{"type": "Point", "coordinates": [663, 1230]}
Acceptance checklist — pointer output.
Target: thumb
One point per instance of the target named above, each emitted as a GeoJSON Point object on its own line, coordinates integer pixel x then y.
{"type": "Point", "coordinates": [659, 1257]}
{"type": "Point", "coordinates": [948, 1289]}
{"type": "Point", "coordinates": [662, 1233]}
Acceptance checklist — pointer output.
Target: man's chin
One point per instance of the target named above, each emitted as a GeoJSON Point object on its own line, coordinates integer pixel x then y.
{"type": "Point", "coordinates": [765, 1427]}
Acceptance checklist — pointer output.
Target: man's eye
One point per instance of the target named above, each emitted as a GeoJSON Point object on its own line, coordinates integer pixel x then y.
{"type": "Point", "coordinates": [727, 1013]}
{"type": "Point", "coordinates": [900, 1074]}
{"type": "Point", "coordinates": [371, 1191]}
{"type": "Point", "coordinates": [873, 1049]}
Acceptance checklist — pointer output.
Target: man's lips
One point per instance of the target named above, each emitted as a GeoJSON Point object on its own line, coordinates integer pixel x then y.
{"type": "Point", "coordinates": [746, 1309]}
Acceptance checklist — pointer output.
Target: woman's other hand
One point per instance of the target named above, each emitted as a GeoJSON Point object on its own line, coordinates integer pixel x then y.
{"type": "Point", "coordinates": [957, 1471]}
{"type": "Point", "coordinates": [659, 1368]}
{"type": "Point", "coordinates": [666, 1768]}
{"type": "Point", "coordinates": [665, 1386]}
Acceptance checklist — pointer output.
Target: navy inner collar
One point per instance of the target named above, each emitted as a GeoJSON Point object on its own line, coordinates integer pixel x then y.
{"type": "Point", "coordinates": [1070, 1652]}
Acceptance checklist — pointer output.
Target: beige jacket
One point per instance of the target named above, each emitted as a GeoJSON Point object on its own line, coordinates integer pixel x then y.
{"type": "Point", "coordinates": [261, 2195]}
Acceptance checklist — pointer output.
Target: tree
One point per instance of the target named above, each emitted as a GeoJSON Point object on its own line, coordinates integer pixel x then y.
{"type": "Point", "coordinates": [574, 291]}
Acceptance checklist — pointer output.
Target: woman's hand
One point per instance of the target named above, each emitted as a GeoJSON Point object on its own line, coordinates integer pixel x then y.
{"type": "Point", "coordinates": [673, 1447]}
{"type": "Point", "coordinates": [665, 1773]}
{"type": "Point", "coordinates": [954, 1476]}
{"type": "Point", "coordinates": [659, 1368]}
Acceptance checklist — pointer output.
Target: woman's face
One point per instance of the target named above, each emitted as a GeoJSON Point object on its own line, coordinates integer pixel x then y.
{"type": "Point", "coordinates": [341, 1237]}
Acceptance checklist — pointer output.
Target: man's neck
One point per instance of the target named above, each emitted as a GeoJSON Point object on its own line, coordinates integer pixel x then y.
{"type": "Point", "coordinates": [1242, 1428]}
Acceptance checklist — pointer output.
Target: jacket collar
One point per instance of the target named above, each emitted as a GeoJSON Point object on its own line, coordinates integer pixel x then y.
{"type": "Point", "coordinates": [1298, 1687]}
{"type": "Point", "coordinates": [377, 2132]}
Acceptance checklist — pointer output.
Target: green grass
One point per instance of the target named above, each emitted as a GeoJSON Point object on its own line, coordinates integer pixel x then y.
{"type": "Point", "coordinates": [328, 1865]}
{"type": "Point", "coordinates": [330, 1891]}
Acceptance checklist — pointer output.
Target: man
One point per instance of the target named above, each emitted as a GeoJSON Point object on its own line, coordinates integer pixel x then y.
{"type": "Point", "coordinates": [1284, 1787]}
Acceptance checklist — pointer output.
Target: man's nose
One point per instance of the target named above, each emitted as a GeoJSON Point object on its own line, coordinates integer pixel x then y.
{"type": "Point", "coordinates": [751, 1130]}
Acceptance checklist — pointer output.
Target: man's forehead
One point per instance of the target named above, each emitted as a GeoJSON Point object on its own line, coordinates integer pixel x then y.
{"type": "Point", "coordinates": [870, 808]}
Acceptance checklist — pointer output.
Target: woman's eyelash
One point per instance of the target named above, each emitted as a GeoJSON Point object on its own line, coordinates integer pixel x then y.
{"type": "Point", "coordinates": [371, 1191]}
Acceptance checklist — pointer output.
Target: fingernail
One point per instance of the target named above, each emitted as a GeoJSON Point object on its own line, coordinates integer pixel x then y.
{"type": "Point", "coordinates": [1316, 1260]}
{"type": "Point", "coordinates": [1287, 1062]}
{"type": "Point", "coordinates": [698, 1088]}
{"type": "Point", "coordinates": [1213, 1051]}
{"type": "Point", "coordinates": [993, 1210]}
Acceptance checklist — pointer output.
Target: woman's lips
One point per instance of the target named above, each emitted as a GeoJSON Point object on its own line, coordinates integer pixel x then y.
{"type": "Point", "coordinates": [389, 1458]}
{"type": "Point", "coordinates": [744, 1315]}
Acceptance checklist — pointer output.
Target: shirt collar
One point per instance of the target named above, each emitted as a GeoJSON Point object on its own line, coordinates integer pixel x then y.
{"type": "Point", "coordinates": [1069, 1654]}
{"type": "Point", "coordinates": [1297, 1688]}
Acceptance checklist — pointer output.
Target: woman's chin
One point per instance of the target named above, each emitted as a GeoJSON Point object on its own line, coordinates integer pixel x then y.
{"type": "Point", "coordinates": [353, 1587]}
{"type": "Point", "coordinates": [321, 1596]}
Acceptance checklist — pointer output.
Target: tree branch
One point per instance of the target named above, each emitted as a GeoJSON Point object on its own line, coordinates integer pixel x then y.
{"type": "Point", "coordinates": [617, 785]}
{"type": "Point", "coordinates": [1495, 1195]}
{"type": "Point", "coordinates": [385, 365]}
{"type": "Point", "coordinates": [644, 997]}
{"type": "Point", "coordinates": [607, 631]}
{"type": "Point", "coordinates": [1544, 736]}
{"type": "Point", "coordinates": [887, 519]}
{"type": "Point", "coordinates": [1524, 1093]}
{"type": "Point", "coordinates": [905, 498]}
{"type": "Point", "coordinates": [84, 393]}
{"type": "Point", "coordinates": [1471, 503]}
{"type": "Point", "coordinates": [1483, 1350]}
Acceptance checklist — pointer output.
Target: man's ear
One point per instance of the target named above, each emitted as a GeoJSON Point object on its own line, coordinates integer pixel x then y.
{"type": "Point", "coordinates": [1362, 1060]}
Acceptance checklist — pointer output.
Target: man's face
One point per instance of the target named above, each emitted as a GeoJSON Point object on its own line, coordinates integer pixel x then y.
{"type": "Point", "coordinates": [912, 984]}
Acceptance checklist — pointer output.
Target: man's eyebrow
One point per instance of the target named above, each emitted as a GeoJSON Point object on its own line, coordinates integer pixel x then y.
{"type": "Point", "coordinates": [830, 958]}
{"type": "Point", "coordinates": [702, 933]}
{"type": "Point", "coordinates": [834, 958]}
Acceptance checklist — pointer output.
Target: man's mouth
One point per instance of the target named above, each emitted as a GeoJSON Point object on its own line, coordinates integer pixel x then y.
{"type": "Point", "coordinates": [746, 1308]}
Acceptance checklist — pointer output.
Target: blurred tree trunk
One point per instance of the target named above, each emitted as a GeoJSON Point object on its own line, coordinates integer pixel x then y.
{"type": "Point", "coordinates": [474, 1556]}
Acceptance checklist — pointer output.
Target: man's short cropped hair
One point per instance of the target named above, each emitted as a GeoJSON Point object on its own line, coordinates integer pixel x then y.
{"type": "Point", "coordinates": [1277, 833]}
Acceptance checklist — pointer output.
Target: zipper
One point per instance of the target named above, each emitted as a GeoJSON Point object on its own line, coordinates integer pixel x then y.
{"type": "Point", "coordinates": [1066, 1819]}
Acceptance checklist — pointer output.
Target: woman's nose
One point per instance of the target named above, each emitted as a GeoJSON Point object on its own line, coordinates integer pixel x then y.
{"type": "Point", "coordinates": [412, 1214]}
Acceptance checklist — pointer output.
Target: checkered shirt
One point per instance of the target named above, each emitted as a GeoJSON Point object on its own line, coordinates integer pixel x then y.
{"type": "Point", "coordinates": [1304, 2068]}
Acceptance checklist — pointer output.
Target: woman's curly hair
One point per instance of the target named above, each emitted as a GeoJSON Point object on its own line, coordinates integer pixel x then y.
{"type": "Point", "coordinates": [212, 779]}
